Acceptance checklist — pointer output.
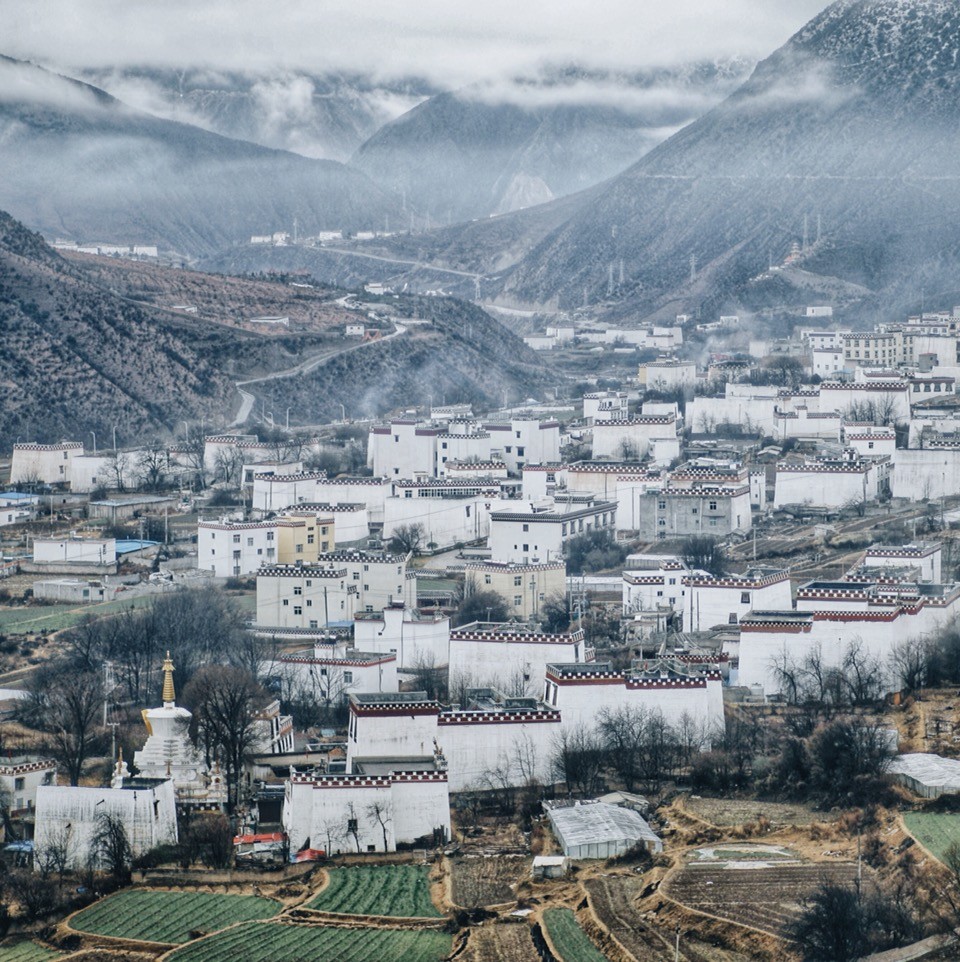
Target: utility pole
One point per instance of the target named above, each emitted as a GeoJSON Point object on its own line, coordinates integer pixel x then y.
{"type": "Point", "coordinates": [693, 268]}
{"type": "Point", "coordinates": [805, 232]}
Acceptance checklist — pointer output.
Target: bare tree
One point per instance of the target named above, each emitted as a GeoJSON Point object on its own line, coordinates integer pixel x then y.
{"type": "Point", "coordinates": [225, 702]}
{"type": "Point", "coordinates": [56, 853]}
{"type": "Point", "coordinates": [110, 846]}
{"type": "Point", "coordinates": [67, 708]}
{"type": "Point", "coordinates": [119, 467]}
{"type": "Point", "coordinates": [862, 673]}
{"type": "Point", "coordinates": [910, 663]}
{"type": "Point", "coordinates": [228, 465]}
{"type": "Point", "coordinates": [152, 466]}
{"type": "Point", "coordinates": [407, 538]}
{"type": "Point", "coordinates": [353, 824]}
{"type": "Point", "coordinates": [578, 758]}
{"type": "Point", "coordinates": [381, 813]}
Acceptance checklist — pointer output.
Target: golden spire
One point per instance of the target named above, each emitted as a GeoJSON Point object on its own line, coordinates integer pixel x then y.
{"type": "Point", "coordinates": [169, 695]}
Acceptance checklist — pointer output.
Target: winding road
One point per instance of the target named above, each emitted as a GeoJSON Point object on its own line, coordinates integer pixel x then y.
{"type": "Point", "coordinates": [248, 399]}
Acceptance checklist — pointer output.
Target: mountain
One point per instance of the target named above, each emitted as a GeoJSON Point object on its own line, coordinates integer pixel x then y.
{"type": "Point", "coordinates": [81, 164]}
{"type": "Point", "coordinates": [90, 343]}
{"type": "Point", "coordinates": [853, 124]}
{"type": "Point", "coordinates": [324, 116]}
{"type": "Point", "coordinates": [76, 358]}
{"type": "Point", "coordinates": [492, 149]}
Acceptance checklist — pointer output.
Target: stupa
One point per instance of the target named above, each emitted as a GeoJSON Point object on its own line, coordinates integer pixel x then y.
{"type": "Point", "coordinates": [169, 753]}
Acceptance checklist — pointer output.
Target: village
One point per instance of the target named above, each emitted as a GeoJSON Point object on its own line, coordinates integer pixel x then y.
{"type": "Point", "coordinates": [647, 670]}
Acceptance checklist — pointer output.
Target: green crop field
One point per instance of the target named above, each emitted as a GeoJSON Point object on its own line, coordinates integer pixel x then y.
{"type": "Point", "coordinates": [34, 618]}
{"type": "Point", "coordinates": [155, 916]}
{"type": "Point", "coordinates": [400, 891]}
{"type": "Point", "coordinates": [570, 941]}
{"type": "Point", "coordinates": [935, 831]}
{"type": "Point", "coordinates": [26, 952]}
{"type": "Point", "coordinates": [275, 942]}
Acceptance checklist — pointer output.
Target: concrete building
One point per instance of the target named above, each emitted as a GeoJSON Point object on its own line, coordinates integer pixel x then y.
{"type": "Point", "coordinates": [632, 439]}
{"type": "Point", "coordinates": [522, 441]}
{"type": "Point", "coordinates": [333, 669]}
{"type": "Point", "coordinates": [655, 585]}
{"type": "Point", "coordinates": [305, 595]}
{"type": "Point", "coordinates": [73, 591]}
{"type": "Point", "coordinates": [925, 558]}
{"type": "Point", "coordinates": [417, 639]}
{"type": "Point", "coordinates": [21, 776]}
{"type": "Point", "coordinates": [494, 741]}
{"type": "Point", "coordinates": [72, 550]}
{"type": "Point", "coordinates": [701, 508]}
{"type": "Point", "coordinates": [667, 374]}
{"type": "Point", "coordinates": [351, 522]}
{"type": "Point", "coordinates": [43, 463]}
{"type": "Point", "coordinates": [685, 695]}
{"type": "Point", "coordinates": [804, 425]}
{"type": "Point", "coordinates": [536, 532]}
{"type": "Point", "coordinates": [831, 482]}
{"type": "Point", "coordinates": [605, 406]}
{"type": "Point", "coordinates": [17, 507]}
{"type": "Point", "coordinates": [274, 492]}
{"type": "Point", "coordinates": [373, 809]}
{"type": "Point", "coordinates": [524, 588]}
{"type": "Point", "coordinates": [715, 601]}
{"type": "Point", "coordinates": [233, 548]}
{"type": "Point", "coordinates": [449, 512]}
{"type": "Point", "coordinates": [511, 656]}
{"type": "Point", "coordinates": [377, 576]}
{"type": "Point", "coordinates": [133, 506]}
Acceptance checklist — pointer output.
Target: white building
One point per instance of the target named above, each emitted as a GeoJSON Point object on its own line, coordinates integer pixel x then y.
{"type": "Point", "coordinates": [17, 507]}
{"type": "Point", "coordinates": [827, 363]}
{"type": "Point", "coordinates": [450, 512]}
{"type": "Point", "coordinates": [494, 741]}
{"type": "Point", "coordinates": [870, 440]}
{"type": "Point", "coordinates": [667, 374]}
{"type": "Point", "coordinates": [43, 463]}
{"type": "Point", "coordinates": [377, 577]}
{"type": "Point", "coordinates": [21, 776]}
{"type": "Point", "coordinates": [658, 585]}
{"type": "Point", "coordinates": [803, 424]}
{"type": "Point", "coordinates": [305, 595]}
{"type": "Point", "coordinates": [368, 811]}
{"type": "Point", "coordinates": [631, 439]}
{"type": "Point", "coordinates": [924, 557]}
{"type": "Point", "coordinates": [59, 551]}
{"type": "Point", "coordinates": [683, 694]}
{"type": "Point", "coordinates": [536, 532]}
{"type": "Point", "coordinates": [511, 656]}
{"type": "Point", "coordinates": [404, 448]}
{"type": "Point", "coordinates": [927, 473]}
{"type": "Point", "coordinates": [91, 471]}
{"type": "Point", "coordinates": [522, 441]}
{"type": "Point", "coordinates": [351, 521]}
{"type": "Point", "coordinates": [605, 406]}
{"type": "Point", "coordinates": [831, 482]}
{"type": "Point", "coordinates": [715, 601]}
{"type": "Point", "coordinates": [332, 670]}
{"type": "Point", "coordinates": [417, 639]}
{"type": "Point", "coordinates": [274, 492]}
{"type": "Point", "coordinates": [68, 818]}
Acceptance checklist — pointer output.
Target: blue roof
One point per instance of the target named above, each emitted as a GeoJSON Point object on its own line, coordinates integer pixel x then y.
{"type": "Point", "coordinates": [16, 496]}
{"type": "Point", "coordinates": [125, 547]}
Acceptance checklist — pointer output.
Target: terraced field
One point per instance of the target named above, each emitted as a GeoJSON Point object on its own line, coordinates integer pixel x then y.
{"type": "Point", "coordinates": [398, 891]}
{"type": "Point", "coordinates": [26, 952]}
{"type": "Point", "coordinates": [158, 916]}
{"type": "Point", "coordinates": [935, 831]}
{"type": "Point", "coordinates": [570, 941]}
{"type": "Point", "coordinates": [285, 942]}
{"type": "Point", "coordinates": [611, 899]}
{"type": "Point", "coordinates": [486, 881]}
{"type": "Point", "coordinates": [734, 811]}
{"type": "Point", "coordinates": [501, 943]}
{"type": "Point", "coordinates": [763, 898]}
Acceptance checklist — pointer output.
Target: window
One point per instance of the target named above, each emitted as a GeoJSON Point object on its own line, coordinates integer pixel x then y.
{"type": "Point", "coordinates": [18, 784]}
{"type": "Point", "coordinates": [672, 581]}
{"type": "Point", "coordinates": [519, 452]}
{"type": "Point", "coordinates": [733, 618]}
{"type": "Point", "coordinates": [526, 547]}
{"type": "Point", "coordinates": [693, 510]}
{"type": "Point", "coordinates": [352, 822]}
{"type": "Point", "coordinates": [713, 505]}
{"type": "Point", "coordinates": [299, 549]}
{"type": "Point", "coordinates": [269, 536]}
{"type": "Point", "coordinates": [348, 677]}
{"type": "Point", "coordinates": [517, 601]}
{"type": "Point", "coordinates": [526, 527]}
{"type": "Point", "coordinates": [487, 579]}
{"type": "Point", "coordinates": [309, 603]}
{"type": "Point", "coordinates": [286, 601]}
{"type": "Point", "coordinates": [298, 609]}
{"type": "Point", "coordinates": [366, 587]}
{"type": "Point", "coordinates": [249, 542]}
{"type": "Point", "coordinates": [744, 597]}
{"type": "Point", "coordinates": [356, 576]}
{"type": "Point", "coordinates": [516, 581]}
{"type": "Point", "coordinates": [298, 589]}
{"type": "Point", "coordinates": [313, 623]}
{"type": "Point", "coordinates": [310, 539]}
{"type": "Point", "coordinates": [236, 539]}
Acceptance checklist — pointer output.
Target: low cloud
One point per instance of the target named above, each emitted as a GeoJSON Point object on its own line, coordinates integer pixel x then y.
{"type": "Point", "coordinates": [449, 42]}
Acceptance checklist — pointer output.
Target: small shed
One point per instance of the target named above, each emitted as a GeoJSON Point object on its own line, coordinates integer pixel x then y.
{"type": "Point", "coordinates": [549, 866]}
{"type": "Point", "coordinates": [598, 830]}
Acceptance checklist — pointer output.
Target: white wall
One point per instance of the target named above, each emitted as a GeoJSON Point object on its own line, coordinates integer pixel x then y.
{"type": "Point", "coordinates": [416, 639]}
{"type": "Point", "coordinates": [926, 473]}
{"type": "Point", "coordinates": [86, 551]}
{"type": "Point", "coordinates": [724, 601]}
{"type": "Point", "coordinates": [446, 521]}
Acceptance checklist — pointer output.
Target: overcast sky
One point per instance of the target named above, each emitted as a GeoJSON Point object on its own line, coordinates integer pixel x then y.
{"type": "Point", "coordinates": [451, 42]}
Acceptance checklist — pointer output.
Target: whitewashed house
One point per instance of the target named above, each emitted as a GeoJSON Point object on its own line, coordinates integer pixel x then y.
{"type": "Point", "coordinates": [417, 639]}
{"type": "Point", "coordinates": [43, 463]}
{"type": "Point", "coordinates": [21, 776]}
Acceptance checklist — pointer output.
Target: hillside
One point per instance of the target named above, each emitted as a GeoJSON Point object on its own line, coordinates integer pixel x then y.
{"type": "Point", "coordinates": [853, 121]}
{"type": "Point", "coordinates": [318, 115]}
{"type": "Point", "coordinates": [80, 164]}
{"type": "Point", "coordinates": [477, 152]}
{"type": "Point", "coordinates": [92, 342]}
{"type": "Point", "coordinates": [460, 355]}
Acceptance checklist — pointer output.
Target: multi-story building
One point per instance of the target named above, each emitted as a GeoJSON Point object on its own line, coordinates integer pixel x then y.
{"type": "Point", "coordinates": [311, 595]}
{"type": "Point", "coordinates": [831, 482]}
{"type": "Point", "coordinates": [524, 588]}
{"type": "Point", "coordinates": [522, 441]}
{"type": "Point", "coordinates": [605, 406]}
{"type": "Point", "coordinates": [43, 463]}
{"type": "Point", "coordinates": [534, 532]}
{"type": "Point", "coordinates": [232, 548]}
{"type": "Point", "coordinates": [417, 639]}
{"type": "Point", "coordinates": [21, 776]}
{"type": "Point", "coordinates": [632, 439]}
